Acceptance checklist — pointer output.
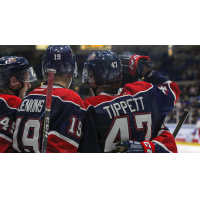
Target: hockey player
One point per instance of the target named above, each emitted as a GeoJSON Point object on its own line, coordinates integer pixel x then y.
{"type": "Point", "coordinates": [164, 142]}
{"type": "Point", "coordinates": [15, 78]}
{"type": "Point", "coordinates": [67, 108]}
{"type": "Point", "coordinates": [135, 112]}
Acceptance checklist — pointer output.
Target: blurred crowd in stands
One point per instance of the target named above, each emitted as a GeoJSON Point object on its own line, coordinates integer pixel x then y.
{"type": "Point", "coordinates": [183, 67]}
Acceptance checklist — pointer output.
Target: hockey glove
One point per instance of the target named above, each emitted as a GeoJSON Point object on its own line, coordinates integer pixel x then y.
{"type": "Point", "coordinates": [136, 147]}
{"type": "Point", "coordinates": [126, 77]}
{"type": "Point", "coordinates": [137, 65]}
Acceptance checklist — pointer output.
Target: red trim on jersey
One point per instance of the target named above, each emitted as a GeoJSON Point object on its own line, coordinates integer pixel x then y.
{"type": "Point", "coordinates": [176, 90]}
{"type": "Point", "coordinates": [136, 87]}
{"type": "Point", "coordinates": [145, 126]}
{"type": "Point", "coordinates": [62, 93]}
{"type": "Point", "coordinates": [5, 146]}
{"type": "Point", "coordinates": [11, 100]}
{"type": "Point", "coordinates": [167, 139]}
{"type": "Point", "coordinates": [57, 145]}
{"type": "Point", "coordinates": [129, 89]}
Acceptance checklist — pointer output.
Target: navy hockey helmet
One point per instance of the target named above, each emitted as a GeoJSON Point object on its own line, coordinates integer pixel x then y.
{"type": "Point", "coordinates": [60, 58]}
{"type": "Point", "coordinates": [105, 67]}
{"type": "Point", "coordinates": [15, 66]}
{"type": "Point", "coordinates": [127, 77]}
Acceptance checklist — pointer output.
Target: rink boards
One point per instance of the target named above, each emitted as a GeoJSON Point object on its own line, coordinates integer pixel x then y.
{"type": "Point", "coordinates": [188, 139]}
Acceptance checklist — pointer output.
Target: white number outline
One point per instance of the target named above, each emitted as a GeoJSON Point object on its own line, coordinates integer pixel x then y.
{"type": "Point", "coordinates": [109, 146]}
{"type": "Point", "coordinates": [114, 64]}
{"type": "Point", "coordinates": [72, 125]}
{"type": "Point", "coordinates": [79, 129]}
{"type": "Point", "coordinates": [27, 136]}
{"type": "Point", "coordinates": [75, 126]}
{"type": "Point", "coordinates": [4, 125]}
{"type": "Point", "coordinates": [148, 133]}
{"type": "Point", "coordinates": [23, 137]}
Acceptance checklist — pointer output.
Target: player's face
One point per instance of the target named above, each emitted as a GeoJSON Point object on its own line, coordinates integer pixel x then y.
{"type": "Point", "coordinates": [26, 76]}
{"type": "Point", "coordinates": [22, 92]}
{"type": "Point", "coordinates": [92, 81]}
{"type": "Point", "coordinates": [26, 86]}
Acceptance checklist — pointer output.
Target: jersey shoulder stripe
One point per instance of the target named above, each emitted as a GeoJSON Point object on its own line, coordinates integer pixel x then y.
{"type": "Point", "coordinates": [137, 86]}
{"type": "Point", "coordinates": [65, 95]}
{"type": "Point", "coordinates": [11, 101]}
{"type": "Point", "coordinates": [6, 145]}
{"type": "Point", "coordinates": [128, 90]}
{"type": "Point", "coordinates": [5, 137]}
{"type": "Point", "coordinates": [175, 91]}
{"type": "Point", "coordinates": [64, 138]}
{"type": "Point", "coordinates": [162, 145]}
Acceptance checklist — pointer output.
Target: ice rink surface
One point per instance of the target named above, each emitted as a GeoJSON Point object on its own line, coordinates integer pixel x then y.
{"type": "Point", "coordinates": [188, 147]}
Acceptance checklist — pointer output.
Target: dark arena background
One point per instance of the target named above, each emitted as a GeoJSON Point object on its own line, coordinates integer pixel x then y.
{"type": "Point", "coordinates": [179, 63]}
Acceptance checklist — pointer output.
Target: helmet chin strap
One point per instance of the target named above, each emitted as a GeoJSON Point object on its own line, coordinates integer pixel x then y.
{"type": "Point", "coordinates": [107, 88]}
{"type": "Point", "coordinates": [71, 84]}
{"type": "Point", "coordinates": [93, 90]}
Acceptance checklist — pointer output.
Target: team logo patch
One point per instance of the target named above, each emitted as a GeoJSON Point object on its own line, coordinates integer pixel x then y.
{"type": "Point", "coordinates": [11, 60]}
{"type": "Point", "coordinates": [164, 89]}
{"type": "Point", "coordinates": [92, 57]}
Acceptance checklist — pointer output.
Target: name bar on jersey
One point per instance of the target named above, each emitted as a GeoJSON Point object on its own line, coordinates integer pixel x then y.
{"type": "Point", "coordinates": [114, 108]}
{"type": "Point", "coordinates": [31, 105]}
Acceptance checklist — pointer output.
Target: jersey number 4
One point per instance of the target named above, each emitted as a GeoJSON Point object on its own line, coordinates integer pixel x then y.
{"type": "Point", "coordinates": [120, 130]}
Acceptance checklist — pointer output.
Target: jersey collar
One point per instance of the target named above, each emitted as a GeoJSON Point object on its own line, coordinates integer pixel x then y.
{"type": "Point", "coordinates": [54, 86]}
{"type": "Point", "coordinates": [113, 95]}
{"type": "Point", "coordinates": [6, 93]}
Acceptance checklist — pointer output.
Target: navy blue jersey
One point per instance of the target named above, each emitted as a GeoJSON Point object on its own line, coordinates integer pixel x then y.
{"type": "Point", "coordinates": [137, 112]}
{"type": "Point", "coordinates": [67, 114]}
{"type": "Point", "coordinates": [8, 108]}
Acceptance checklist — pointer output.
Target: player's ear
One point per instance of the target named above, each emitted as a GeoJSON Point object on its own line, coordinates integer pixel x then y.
{"type": "Point", "coordinates": [14, 81]}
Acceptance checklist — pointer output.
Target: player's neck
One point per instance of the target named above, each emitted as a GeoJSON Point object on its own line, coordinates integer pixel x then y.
{"type": "Point", "coordinates": [7, 91]}
{"type": "Point", "coordinates": [105, 88]}
{"type": "Point", "coordinates": [62, 83]}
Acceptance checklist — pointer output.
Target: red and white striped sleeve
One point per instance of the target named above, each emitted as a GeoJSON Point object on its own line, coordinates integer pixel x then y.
{"type": "Point", "coordinates": [166, 141]}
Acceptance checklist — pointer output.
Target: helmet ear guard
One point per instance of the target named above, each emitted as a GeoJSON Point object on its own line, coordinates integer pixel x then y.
{"type": "Point", "coordinates": [14, 81]}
